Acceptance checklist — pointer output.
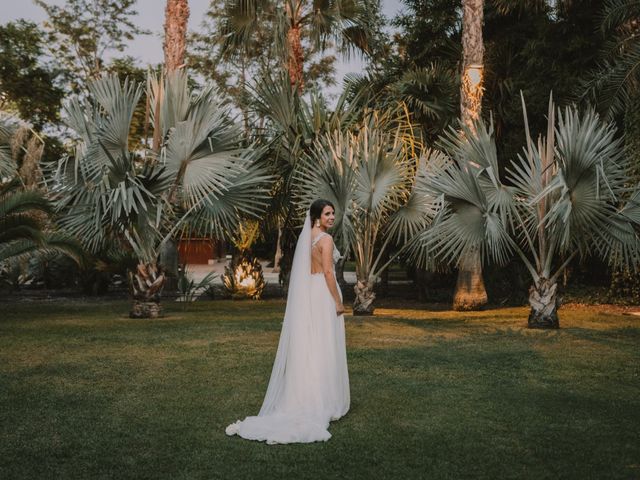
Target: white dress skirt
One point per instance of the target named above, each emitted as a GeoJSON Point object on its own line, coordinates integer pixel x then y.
{"type": "Point", "coordinates": [309, 386]}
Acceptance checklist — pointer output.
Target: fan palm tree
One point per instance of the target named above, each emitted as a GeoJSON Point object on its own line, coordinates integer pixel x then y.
{"type": "Point", "coordinates": [567, 196]}
{"type": "Point", "coordinates": [289, 125]}
{"type": "Point", "coordinates": [199, 179]}
{"type": "Point", "coordinates": [369, 176]}
{"type": "Point", "coordinates": [345, 22]}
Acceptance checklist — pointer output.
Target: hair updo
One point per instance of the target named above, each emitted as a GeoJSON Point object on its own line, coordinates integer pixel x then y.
{"type": "Point", "coordinates": [316, 208]}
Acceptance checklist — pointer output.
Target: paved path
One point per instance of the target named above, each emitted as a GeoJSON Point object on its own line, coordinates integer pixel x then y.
{"type": "Point", "coordinates": [198, 272]}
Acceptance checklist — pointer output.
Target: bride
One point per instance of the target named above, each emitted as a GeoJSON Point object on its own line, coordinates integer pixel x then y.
{"type": "Point", "coordinates": [309, 383]}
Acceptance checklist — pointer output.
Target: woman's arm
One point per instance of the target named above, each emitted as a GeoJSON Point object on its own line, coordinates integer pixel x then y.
{"type": "Point", "coordinates": [326, 245]}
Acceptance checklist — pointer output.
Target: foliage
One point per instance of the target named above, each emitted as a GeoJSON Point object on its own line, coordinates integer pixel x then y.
{"type": "Point", "coordinates": [189, 290]}
{"type": "Point", "coordinates": [25, 229]}
{"type": "Point", "coordinates": [369, 176]}
{"type": "Point", "coordinates": [232, 67]}
{"type": "Point", "coordinates": [297, 29]}
{"type": "Point", "coordinates": [81, 33]}
{"type": "Point", "coordinates": [534, 47]}
{"type": "Point", "coordinates": [27, 84]}
{"type": "Point", "coordinates": [428, 93]}
{"type": "Point", "coordinates": [615, 81]}
{"type": "Point", "coordinates": [198, 179]}
{"type": "Point", "coordinates": [290, 124]}
{"type": "Point", "coordinates": [248, 232]}
{"type": "Point", "coordinates": [567, 196]}
{"type": "Point", "coordinates": [243, 277]}
{"type": "Point", "coordinates": [417, 69]}
{"type": "Point", "coordinates": [430, 32]}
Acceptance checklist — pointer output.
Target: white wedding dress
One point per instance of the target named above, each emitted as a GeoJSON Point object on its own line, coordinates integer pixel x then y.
{"type": "Point", "coordinates": [309, 384]}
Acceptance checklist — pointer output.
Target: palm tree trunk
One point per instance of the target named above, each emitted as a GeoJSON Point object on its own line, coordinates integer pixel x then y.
{"type": "Point", "coordinates": [296, 58]}
{"type": "Point", "coordinates": [146, 285]}
{"type": "Point", "coordinates": [175, 33]}
{"type": "Point", "coordinates": [543, 298]}
{"type": "Point", "coordinates": [470, 293]}
{"type": "Point", "coordinates": [365, 296]}
{"type": "Point", "coordinates": [472, 61]}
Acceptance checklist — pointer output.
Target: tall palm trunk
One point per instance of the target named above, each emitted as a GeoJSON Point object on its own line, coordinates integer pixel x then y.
{"type": "Point", "coordinates": [295, 54]}
{"type": "Point", "coordinates": [174, 46]}
{"type": "Point", "coordinates": [470, 293]}
{"type": "Point", "coordinates": [175, 33]}
{"type": "Point", "coordinates": [296, 57]}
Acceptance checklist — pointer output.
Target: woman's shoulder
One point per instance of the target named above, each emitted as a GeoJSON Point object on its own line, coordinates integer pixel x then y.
{"type": "Point", "coordinates": [323, 238]}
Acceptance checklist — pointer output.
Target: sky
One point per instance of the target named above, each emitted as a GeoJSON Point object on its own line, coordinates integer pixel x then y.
{"type": "Point", "coordinates": [148, 48]}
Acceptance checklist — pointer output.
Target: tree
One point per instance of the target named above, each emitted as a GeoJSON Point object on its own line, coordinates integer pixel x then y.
{"type": "Point", "coordinates": [232, 66]}
{"type": "Point", "coordinates": [613, 85]}
{"type": "Point", "coordinates": [199, 180]}
{"type": "Point", "coordinates": [369, 175]}
{"type": "Point", "coordinates": [27, 83]}
{"type": "Point", "coordinates": [535, 47]}
{"type": "Point", "coordinates": [344, 23]}
{"type": "Point", "coordinates": [567, 196]}
{"type": "Point", "coordinates": [428, 93]}
{"type": "Point", "coordinates": [175, 33]}
{"type": "Point", "coordinates": [25, 227]}
{"type": "Point", "coordinates": [419, 68]}
{"type": "Point", "coordinates": [289, 126]}
{"type": "Point", "coordinates": [82, 32]}
{"type": "Point", "coordinates": [470, 293]}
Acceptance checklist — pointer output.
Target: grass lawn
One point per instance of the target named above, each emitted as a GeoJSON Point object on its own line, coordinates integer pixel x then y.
{"type": "Point", "coordinates": [87, 393]}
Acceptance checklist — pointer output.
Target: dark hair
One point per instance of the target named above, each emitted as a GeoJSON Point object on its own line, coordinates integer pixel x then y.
{"type": "Point", "coordinates": [316, 208]}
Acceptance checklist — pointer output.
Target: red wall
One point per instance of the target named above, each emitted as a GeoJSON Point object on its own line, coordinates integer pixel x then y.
{"type": "Point", "coordinates": [195, 251]}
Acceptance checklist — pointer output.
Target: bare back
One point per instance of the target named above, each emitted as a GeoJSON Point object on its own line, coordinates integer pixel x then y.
{"type": "Point", "coordinates": [320, 243]}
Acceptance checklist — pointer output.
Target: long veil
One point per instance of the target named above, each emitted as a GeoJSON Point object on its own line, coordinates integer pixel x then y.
{"type": "Point", "coordinates": [309, 383]}
{"type": "Point", "coordinates": [297, 312]}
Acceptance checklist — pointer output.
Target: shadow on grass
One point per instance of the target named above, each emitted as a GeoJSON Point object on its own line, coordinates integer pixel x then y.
{"type": "Point", "coordinates": [87, 394]}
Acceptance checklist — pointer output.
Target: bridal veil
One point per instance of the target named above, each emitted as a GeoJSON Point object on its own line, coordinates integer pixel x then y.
{"type": "Point", "coordinates": [309, 384]}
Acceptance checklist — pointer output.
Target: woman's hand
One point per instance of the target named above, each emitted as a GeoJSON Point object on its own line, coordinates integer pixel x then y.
{"type": "Point", "coordinates": [339, 308]}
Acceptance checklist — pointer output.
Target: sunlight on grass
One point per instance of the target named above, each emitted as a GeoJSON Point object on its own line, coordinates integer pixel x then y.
{"type": "Point", "coordinates": [89, 393]}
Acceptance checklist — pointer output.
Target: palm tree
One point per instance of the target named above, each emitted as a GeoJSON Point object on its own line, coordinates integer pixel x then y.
{"type": "Point", "coordinates": [567, 196]}
{"type": "Point", "coordinates": [175, 33]}
{"type": "Point", "coordinates": [25, 229]}
{"type": "Point", "coordinates": [614, 86]}
{"type": "Point", "coordinates": [470, 293]}
{"type": "Point", "coordinates": [199, 179]}
{"type": "Point", "coordinates": [428, 93]}
{"type": "Point", "coordinates": [369, 175]}
{"type": "Point", "coordinates": [288, 127]}
{"type": "Point", "coordinates": [344, 22]}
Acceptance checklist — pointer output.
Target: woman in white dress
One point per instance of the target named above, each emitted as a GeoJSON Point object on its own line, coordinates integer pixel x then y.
{"type": "Point", "coordinates": [309, 384]}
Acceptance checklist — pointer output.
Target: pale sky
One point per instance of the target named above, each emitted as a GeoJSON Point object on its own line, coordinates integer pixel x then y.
{"type": "Point", "coordinates": [148, 48]}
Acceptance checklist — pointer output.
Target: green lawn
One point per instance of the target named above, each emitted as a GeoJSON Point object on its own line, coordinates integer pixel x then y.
{"type": "Point", "coordinates": [87, 393]}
